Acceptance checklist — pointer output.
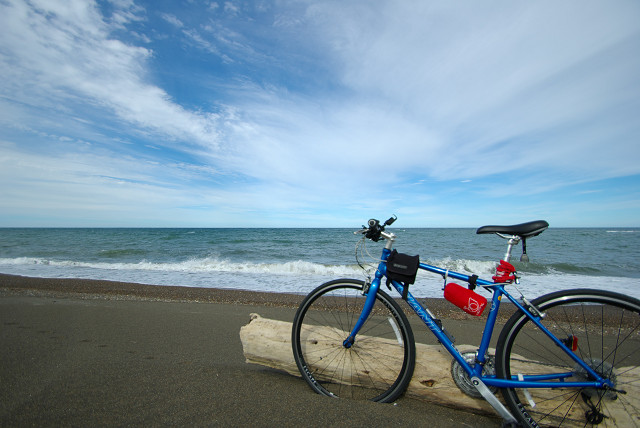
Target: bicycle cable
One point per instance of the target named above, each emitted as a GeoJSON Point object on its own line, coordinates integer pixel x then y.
{"type": "Point", "coordinates": [361, 253]}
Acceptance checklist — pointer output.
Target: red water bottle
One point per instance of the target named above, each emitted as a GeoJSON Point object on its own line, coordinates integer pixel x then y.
{"type": "Point", "coordinates": [467, 300]}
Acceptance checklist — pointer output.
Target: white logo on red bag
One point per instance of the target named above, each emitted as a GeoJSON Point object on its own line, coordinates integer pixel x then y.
{"type": "Point", "coordinates": [474, 306]}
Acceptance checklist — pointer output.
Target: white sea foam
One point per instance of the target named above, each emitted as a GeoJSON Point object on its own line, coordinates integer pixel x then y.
{"type": "Point", "coordinates": [468, 267]}
{"type": "Point", "coordinates": [292, 277]}
{"type": "Point", "coordinates": [208, 264]}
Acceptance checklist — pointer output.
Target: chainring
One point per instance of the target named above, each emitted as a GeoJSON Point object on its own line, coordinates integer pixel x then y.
{"type": "Point", "coordinates": [462, 379]}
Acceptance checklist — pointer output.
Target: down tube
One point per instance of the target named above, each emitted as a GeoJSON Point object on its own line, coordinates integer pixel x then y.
{"type": "Point", "coordinates": [427, 318]}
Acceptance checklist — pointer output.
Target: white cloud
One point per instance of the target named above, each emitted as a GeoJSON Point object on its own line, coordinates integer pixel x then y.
{"type": "Point", "coordinates": [523, 92]}
{"type": "Point", "coordinates": [172, 19]}
{"type": "Point", "coordinates": [339, 102]}
{"type": "Point", "coordinates": [231, 7]}
{"type": "Point", "coordinates": [62, 51]}
{"type": "Point", "coordinates": [444, 91]}
{"type": "Point", "coordinates": [97, 186]}
{"type": "Point", "coordinates": [495, 81]}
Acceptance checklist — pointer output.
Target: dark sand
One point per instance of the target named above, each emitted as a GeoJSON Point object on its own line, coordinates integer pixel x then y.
{"type": "Point", "coordinates": [100, 353]}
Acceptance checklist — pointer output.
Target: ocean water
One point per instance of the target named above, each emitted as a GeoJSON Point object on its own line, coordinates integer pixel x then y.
{"type": "Point", "coordinates": [298, 260]}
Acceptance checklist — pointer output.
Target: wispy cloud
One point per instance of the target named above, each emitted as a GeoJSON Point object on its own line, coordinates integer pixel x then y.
{"type": "Point", "coordinates": [521, 88]}
{"type": "Point", "coordinates": [294, 107]}
{"type": "Point", "coordinates": [66, 53]}
{"type": "Point", "coordinates": [172, 19]}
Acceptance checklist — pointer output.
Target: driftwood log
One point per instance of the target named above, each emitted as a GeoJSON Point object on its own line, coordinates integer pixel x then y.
{"type": "Point", "coordinates": [267, 342]}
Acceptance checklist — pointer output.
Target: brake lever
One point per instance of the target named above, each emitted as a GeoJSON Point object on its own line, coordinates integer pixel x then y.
{"type": "Point", "coordinates": [390, 221]}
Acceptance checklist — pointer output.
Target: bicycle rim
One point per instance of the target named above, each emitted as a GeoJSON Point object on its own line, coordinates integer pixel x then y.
{"type": "Point", "coordinates": [380, 363]}
{"type": "Point", "coordinates": [604, 328]}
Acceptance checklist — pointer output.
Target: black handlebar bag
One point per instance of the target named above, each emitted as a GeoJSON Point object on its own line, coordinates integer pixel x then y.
{"type": "Point", "coordinates": [402, 268]}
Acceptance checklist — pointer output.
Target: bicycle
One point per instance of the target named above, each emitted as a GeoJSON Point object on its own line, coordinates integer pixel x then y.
{"type": "Point", "coordinates": [568, 358]}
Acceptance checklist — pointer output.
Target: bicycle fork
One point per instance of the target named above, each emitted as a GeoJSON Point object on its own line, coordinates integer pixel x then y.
{"type": "Point", "coordinates": [371, 290]}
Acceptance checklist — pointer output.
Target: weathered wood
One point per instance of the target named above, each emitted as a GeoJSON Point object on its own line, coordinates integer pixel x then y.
{"type": "Point", "coordinates": [268, 342]}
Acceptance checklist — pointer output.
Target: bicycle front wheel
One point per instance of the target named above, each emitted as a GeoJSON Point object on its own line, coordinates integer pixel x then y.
{"type": "Point", "coordinates": [380, 363]}
{"type": "Point", "coordinates": [604, 330]}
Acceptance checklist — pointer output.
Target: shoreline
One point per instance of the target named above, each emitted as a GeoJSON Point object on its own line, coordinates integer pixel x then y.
{"type": "Point", "coordinates": [105, 289]}
{"type": "Point", "coordinates": [115, 290]}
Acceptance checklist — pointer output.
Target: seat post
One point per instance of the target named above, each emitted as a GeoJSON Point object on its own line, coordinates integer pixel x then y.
{"type": "Point", "coordinates": [513, 240]}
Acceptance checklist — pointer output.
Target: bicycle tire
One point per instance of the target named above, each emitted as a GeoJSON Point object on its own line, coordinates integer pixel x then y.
{"type": "Point", "coordinates": [379, 365]}
{"type": "Point", "coordinates": [605, 329]}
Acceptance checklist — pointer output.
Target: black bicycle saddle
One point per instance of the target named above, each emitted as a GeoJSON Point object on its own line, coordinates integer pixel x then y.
{"type": "Point", "coordinates": [524, 230]}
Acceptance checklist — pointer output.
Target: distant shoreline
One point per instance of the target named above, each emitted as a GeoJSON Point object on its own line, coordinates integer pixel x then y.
{"type": "Point", "coordinates": [114, 290]}
{"type": "Point", "coordinates": [93, 288]}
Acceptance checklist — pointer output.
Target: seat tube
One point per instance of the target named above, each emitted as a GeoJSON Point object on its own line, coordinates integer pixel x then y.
{"type": "Point", "coordinates": [490, 324]}
{"type": "Point", "coordinates": [370, 300]}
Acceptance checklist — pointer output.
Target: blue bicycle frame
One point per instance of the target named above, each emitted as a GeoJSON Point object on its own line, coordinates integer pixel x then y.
{"type": "Point", "coordinates": [555, 380]}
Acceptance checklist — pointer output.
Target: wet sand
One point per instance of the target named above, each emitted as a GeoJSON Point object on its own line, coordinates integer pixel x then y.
{"type": "Point", "coordinates": [101, 353]}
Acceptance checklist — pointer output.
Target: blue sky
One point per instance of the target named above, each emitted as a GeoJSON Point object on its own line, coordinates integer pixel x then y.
{"type": "Point", "coordinates": [319, 113]}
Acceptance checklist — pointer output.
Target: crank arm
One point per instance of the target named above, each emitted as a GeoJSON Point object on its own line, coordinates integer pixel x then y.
{"type": "Point", "coordinates": [493, 400]}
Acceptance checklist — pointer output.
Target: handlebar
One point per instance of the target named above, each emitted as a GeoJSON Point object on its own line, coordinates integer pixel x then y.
{"type": "Point", "coordinates": [375, 230]}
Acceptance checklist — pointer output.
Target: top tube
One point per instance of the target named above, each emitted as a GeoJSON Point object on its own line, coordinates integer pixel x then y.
{"type": "Point", "coordinates": [455, 275]}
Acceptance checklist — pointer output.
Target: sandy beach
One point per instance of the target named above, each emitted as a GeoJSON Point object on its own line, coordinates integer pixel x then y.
{"type": "Point", "coordinates": [101, 353]}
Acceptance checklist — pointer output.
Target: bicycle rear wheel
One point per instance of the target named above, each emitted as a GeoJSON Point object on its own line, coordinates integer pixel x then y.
{"type": "Point", "coordinates": [380, 363]}
{"type": "Point", "coordinates": [604, 328]}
